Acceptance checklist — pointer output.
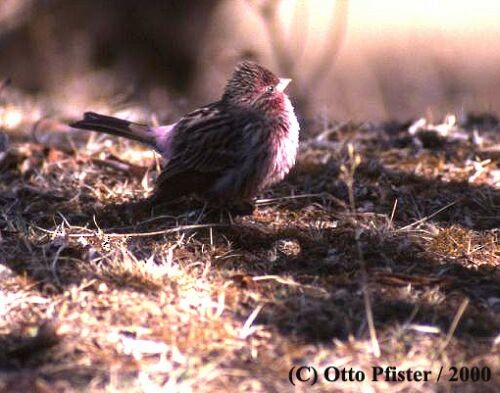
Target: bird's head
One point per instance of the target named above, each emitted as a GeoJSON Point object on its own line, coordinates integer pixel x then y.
{"type": "Point", "coordinates": [255, 86]}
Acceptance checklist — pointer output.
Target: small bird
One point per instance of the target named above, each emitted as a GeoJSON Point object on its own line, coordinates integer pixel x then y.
{"type": "Point", "coordinates": [225, 152]}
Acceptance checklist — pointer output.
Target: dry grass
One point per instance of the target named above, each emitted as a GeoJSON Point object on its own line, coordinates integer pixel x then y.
{"type": "Point", "coordinates": [97, 295]}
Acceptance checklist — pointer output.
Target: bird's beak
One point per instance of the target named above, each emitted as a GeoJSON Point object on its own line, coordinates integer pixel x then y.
{"type": "Point", "coordinates": [283, 83]}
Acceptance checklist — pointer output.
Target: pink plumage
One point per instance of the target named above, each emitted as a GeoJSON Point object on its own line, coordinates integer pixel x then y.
{"type": "Point", "coordinates": [226, 152]}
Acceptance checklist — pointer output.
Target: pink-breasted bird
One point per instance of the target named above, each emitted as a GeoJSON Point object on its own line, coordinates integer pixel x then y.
{"type": "Point", "coordinates": [225, 152]}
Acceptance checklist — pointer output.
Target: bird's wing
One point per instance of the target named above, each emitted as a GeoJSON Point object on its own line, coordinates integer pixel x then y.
{"type": "Point", "coordinates": [206, 143]}
{"type": "Point", "coordinates": [209, 139]}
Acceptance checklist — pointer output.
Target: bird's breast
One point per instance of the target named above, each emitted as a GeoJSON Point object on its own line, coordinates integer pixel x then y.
{"type": "Point", "coordinates": [285, 143]}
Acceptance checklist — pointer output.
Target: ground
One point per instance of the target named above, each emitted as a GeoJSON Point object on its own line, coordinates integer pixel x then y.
{"type": "Point", "coordinates": [379, 249]}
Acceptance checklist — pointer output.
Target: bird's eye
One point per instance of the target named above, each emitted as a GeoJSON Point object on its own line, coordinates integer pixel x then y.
{"type": "Point", "coordinates": [270, 89]}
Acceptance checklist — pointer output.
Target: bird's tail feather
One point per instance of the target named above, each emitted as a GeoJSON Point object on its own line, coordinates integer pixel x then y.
{"type": "Point", "coordinates": [114, 126]}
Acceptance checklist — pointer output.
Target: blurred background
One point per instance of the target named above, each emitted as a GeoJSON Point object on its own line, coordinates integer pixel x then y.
{"type": "Point", "coordinates": [349, 60]}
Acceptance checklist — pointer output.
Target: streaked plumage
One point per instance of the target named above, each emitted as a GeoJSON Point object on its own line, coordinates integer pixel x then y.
{"type": "Point", "coordinates": [227, 151]}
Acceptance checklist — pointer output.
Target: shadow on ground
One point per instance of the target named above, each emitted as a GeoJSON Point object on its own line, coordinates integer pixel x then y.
{"type": "Point", "coordinates": [300, 254]}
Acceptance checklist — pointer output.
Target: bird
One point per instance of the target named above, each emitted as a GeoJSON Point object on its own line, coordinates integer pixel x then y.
{"type": "Point", "coordinates": [226, 152]}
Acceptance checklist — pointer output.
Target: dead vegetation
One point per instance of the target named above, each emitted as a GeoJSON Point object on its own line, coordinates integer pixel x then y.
{"type": "Point", "coordinates": [98, 295]}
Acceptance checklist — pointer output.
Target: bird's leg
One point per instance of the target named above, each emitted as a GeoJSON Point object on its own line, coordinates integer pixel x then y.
{"type": "Point", "coordinates": [202, 212]}
{"type": "Point", "coordinates": [229, 213]}
{"type": "Point", "coordinates": [229, 216]}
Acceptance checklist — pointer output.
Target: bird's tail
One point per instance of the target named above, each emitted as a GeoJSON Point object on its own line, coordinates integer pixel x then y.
{"type": "Point", "coordinates": [114, 126]}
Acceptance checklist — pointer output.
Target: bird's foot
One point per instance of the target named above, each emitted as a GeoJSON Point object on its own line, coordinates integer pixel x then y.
{"type": "Point", "coordinates": [243, 208]}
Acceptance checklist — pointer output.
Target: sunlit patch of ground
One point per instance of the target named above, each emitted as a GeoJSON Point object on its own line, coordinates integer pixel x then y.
{"type": "Point", "coordinates": [98, 295]}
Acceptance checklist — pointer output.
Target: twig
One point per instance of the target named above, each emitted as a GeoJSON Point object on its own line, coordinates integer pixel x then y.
{"type": "Point", "coordinates": [53, 266]}
{"type": "Point", "coordinates": [454, 324]}
{"type": "Point", "coordinates": [121, 166]}
{"type": "Point", "coordinates": [261, 202]}
{"type": "Point", "coordinates": [247, 330]}
{"type": "Point", "coordinates": [290, 282]}
{"type": "Point", "coordinates": [276, 278]}
{"type": "Point", "coordinates": [337, 35]}
{"type": "Point", "coordinates": [179, 228]}
{"type": "Point", "coordinates": [422, 220]}
{"type": "Point", "coordinates": [393, 212]}
{"type": "Point", "coordinates": [264, 201]}
{"type": "Point", "coordinates": [367, 301]}
{"type": "Point", "coordinates": [355, 160]}
{"type": "Point", "coordinates": [148, 221]}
